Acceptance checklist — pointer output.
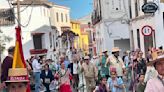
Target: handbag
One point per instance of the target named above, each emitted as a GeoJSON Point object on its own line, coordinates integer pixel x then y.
{"type": "Point", "coordinates": [54, 85]}
{"type": "Point", "coordinates": [42, 88]}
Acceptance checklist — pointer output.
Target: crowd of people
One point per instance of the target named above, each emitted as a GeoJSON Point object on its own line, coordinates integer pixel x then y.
{"type": "Point", "coordinates": [75, 72]}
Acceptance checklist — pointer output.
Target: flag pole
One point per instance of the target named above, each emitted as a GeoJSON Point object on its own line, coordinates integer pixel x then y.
{"type": "Point", "coordinates": [18, 17]}
{"type": "Point", "coordinates": [18, 13]}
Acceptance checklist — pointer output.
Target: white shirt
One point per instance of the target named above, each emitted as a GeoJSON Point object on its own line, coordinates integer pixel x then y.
{"type": "Point", "coordinates": [75, 68]}
{"type": "Point", "coordinates": [150, 73]}
{"type": "Point", "coordinates": [46, 73]}
{"type": "Point", "coordinates": [154, 85]}
{"type": "Point", "coordinates": [36, 66]}
{"type": "Point", "coordinates": [119, 65]}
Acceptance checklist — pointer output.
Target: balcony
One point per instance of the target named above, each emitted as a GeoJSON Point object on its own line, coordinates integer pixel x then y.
{"type": "Point", "coordinates": [38, 51]}
{"type": "Point", "coordinates": [7, 17]}
{"type": "Point", "coordinates": [96, 17]}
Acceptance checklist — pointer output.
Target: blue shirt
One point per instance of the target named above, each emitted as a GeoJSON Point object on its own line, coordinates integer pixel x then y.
{"type": "Point", "coordinates": [66, 63]}
{"type": "Point", "coordinates": [118, 82]}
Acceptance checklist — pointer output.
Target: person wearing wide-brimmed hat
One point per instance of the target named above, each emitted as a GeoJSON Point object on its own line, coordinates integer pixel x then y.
{"type": "Point", "coordinates": [90, 74]}
{"type": "Point", "coordinates": [116, 61]}
{"type": "Point", "coordinates": [157, 84]}
{"type": "Point", "coordinates": [17, 80]}
{"type": "Point", "coordinates": [104, 68]}
{"type": "Point", "coordinates": [150, 71]}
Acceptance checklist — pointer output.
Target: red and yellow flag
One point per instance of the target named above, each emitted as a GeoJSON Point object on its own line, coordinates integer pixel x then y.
{"type": "Point", "coordinates": [19, 61]}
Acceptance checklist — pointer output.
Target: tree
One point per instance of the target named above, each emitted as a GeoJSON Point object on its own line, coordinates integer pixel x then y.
{"type": "Point", "coordinates": [3, 40]}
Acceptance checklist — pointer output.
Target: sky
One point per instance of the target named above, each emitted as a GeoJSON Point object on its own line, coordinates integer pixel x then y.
{"type": "Point", "coordinates": [79, 8]}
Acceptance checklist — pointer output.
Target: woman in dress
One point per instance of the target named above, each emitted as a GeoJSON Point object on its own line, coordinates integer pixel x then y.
{"type": "Point", "coordinates": [65, 77]}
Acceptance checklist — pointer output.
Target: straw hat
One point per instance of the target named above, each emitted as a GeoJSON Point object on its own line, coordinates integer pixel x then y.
{"type": "Point", "coordinates": [115, 49]}
{"type": "Point", "coordinates": [157, 56]}
{"type": "Point", "coordinates": [17, 75]}
{"type": "Point", "coordinates": [86, 57]}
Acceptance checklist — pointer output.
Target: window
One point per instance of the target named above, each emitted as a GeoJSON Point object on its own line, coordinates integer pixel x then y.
{"type": "Point", "coordinates": [61, 17]}
{"type": "Point", "coordinates": [145, 1]}
{"type": "Point", "coordinates": [54, 41]}
{"type": "Point", "coordinates": [76, 26]}
{"type": "Point", "coordinates": [72, 26]}
{"type": "Point", "coordinates": [163, 19]}
{"type": "Point", "coordinates": [57, 17]}
{"type": "Point", "coordinates": [44, 11]}
{"type": "Point", "coordinates": [136, 7]}
{"type": "Point", "coordinates": [66, 18]}
{"type": "Point", "coordinates": [37, 39]}
{"type": "Point", "coordinates": [132, 39]}
{"type": "Point", "coordinates": [148, 42]}
{"type": "Point", "coordinates": [138, 37]}
{"type": "Point", "coordinates": [130, 9]}
{"type": "Point", "coordinates": [138, 4]}
{"type": "Point", "coordinates": [94, 36]}
{"type": "Point", "coordinates": [56, 44]}
{"type": "Point", "coordinates": [48, 13]}
{"type": "Point", "coordinates": [50, 38]}
{"type": "Point", "coordinates": [120, 6]}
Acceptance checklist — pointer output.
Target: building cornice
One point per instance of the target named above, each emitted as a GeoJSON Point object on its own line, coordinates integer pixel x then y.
{"type": "Point", "coordinates": [141, 17]}
{"type": "Point", "coordinates": [35, 2]}
{"type": "Point", "coordinates": [75, 21]}
{"type": "Point", "coordinates": [59, 6]}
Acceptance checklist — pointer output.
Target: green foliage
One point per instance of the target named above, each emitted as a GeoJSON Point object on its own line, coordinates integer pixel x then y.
{"type": "Point", "coordinates": [3, 40]}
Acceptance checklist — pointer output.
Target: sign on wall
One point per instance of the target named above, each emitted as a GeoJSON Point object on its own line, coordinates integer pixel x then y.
{"type": "Point", "coordinates": [147, 30]}
{"type": "Point", "coordinates": [149, 7]}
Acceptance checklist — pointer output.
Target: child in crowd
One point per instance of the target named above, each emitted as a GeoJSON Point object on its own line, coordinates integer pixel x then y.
{"type": "Point", "coordinates": [103, 85]}
{"type": "Point", "coordinates": [115, 84]}
{"type": "Point", "coordinates": [141, 85]}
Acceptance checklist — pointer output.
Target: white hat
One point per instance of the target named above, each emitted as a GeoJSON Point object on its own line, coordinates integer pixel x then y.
{"type": "Point", "coordinates": [105, 51]}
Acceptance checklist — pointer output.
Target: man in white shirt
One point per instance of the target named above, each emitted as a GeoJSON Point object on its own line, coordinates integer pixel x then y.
{"type": "Point", "coordinates": [37, 71]}
{"type": "Point", "coordinates": [74, 71]}
{"type": "Point", "coordinates": [116, 61]}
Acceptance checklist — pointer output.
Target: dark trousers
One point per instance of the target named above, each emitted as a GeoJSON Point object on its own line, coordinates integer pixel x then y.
{"type": "Point", "coordinates": [75, 80]}
{"type": "Point", "coordinates": [47, 87]}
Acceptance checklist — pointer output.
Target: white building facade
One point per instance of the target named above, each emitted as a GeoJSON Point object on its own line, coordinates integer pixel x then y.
{"type": "Point", "coordinates": [38, 33]}
{"type": "Point", "coordinates": [139, 20]}
{"type": "Point", "coordinates": [60, 19]}
{"type": "Point", "coordinates": [110, 20]}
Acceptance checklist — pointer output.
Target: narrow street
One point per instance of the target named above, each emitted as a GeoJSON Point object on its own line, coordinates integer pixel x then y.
{"type": "Point", "coordinates": [82, 45]}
